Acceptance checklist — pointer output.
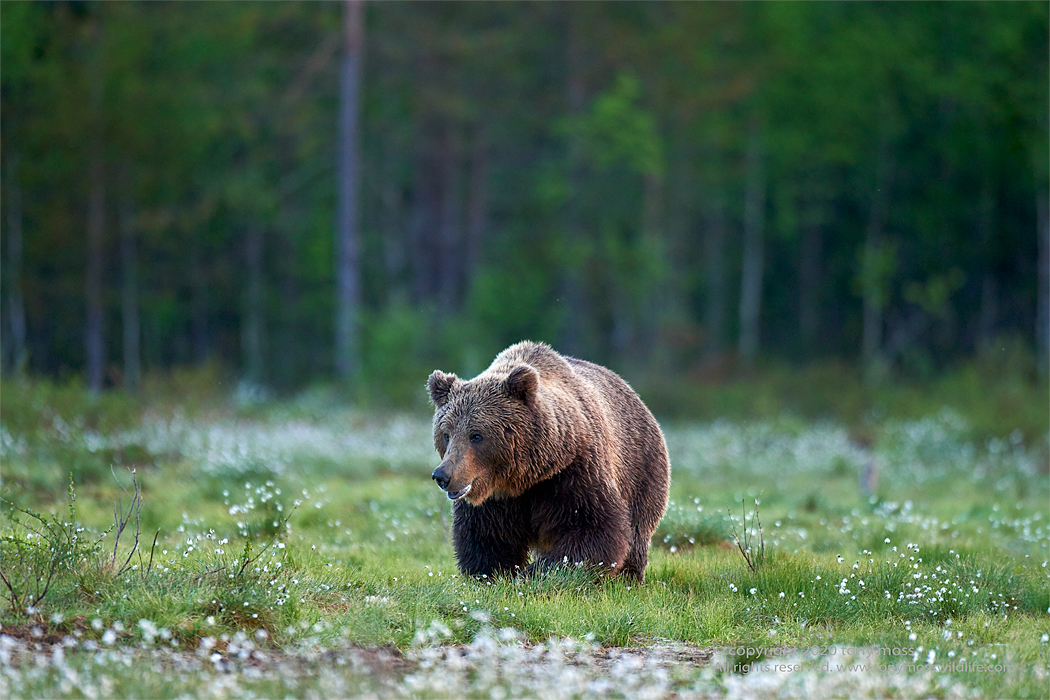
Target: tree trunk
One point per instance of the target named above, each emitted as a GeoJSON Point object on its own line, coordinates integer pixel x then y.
{"type": "Point", "coordinates": [347, 362]}
{"type": "Point", "coordinates": [875, 263]}
{"type": "Point", "coordinates": [93, 333]}
{"type": "Point", "coordinates": [751, 271]}
{"type": "Point", "coordinates": [288, 349]}
{"type": "Point", "coordinates": [986, 318]}
{"type": "Point", "coordinates": [714, 268]}
{"type": "Point", "coordinates": [129, 297]}
{"type": "Point", "coordinates": [575, 313]}
{"type": "Point", "coordinates": [477, 205]}
{"type": "Point", "coordinates": [15, 302]}
{"type": "Point", "coordinates": [449, 244]}
{"type": "Point", "coordinates": [394, 239]}
{"type": "Point", "coordinates": [1042, 316]}
{"type": "Point", "coordinates": [654, 306]}
{"type": "Point", "coordinates": [198, 301]}
{"type": "Point", "coordinates": [252, 330]}
{"type": "Point", "coordinates": [809, 287]}
{"type": "Point", "coordinates": [425, 224]}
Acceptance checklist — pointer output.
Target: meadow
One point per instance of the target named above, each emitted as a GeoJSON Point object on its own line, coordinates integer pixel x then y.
{"type": "Point", "coordinates": [244, 546]}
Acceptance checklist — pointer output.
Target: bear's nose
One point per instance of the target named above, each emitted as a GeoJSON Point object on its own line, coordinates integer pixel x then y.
{"type": "Point", "coordinates": [441, 478]}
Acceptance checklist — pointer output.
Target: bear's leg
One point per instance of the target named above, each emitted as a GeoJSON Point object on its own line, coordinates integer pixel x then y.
{"type": "Point", "coordinates": [637, 558]}
{"type": "Point", "coordinates": [593, 531]}
{"type": "Point", "coordinates": [647, 507]}
{"type": "Point", "coordinates": [605, 551]}
{"type": "Point", "coordinates": [490, 539]}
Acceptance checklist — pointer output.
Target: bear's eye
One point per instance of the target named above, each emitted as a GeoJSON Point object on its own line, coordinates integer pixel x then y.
{"type": "Point", "coordinates": [446, 438]}
{"type": "Point", "coordinates": [475, 437]}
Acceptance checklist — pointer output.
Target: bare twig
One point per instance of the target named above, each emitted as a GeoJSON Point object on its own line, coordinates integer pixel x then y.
{"type": "Point", "coordinates": [150, 567]}
{"type": "Point", "coordinates": [16, 603]}
{"type": "Point", "coordinates": [121, 519]}
{"type": "Point", "coordinates": [753, 558]}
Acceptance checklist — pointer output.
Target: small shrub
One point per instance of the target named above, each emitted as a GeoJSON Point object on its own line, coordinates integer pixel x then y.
{"type": "Point", "coordinates": [38, 554]}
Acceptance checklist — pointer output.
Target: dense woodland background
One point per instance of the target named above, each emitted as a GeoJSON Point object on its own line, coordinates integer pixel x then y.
{"type": "Point", "coordinates": [297, 192]}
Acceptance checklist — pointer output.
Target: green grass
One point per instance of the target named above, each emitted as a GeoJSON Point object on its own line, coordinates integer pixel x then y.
{"type": "Point", "coordinates": [943, 551]}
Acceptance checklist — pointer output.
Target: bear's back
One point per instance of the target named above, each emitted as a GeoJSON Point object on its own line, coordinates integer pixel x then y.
{"type": "Point", "coordinates": [598, 389]}
{"type": "Point", "coordinates": [549, 363]}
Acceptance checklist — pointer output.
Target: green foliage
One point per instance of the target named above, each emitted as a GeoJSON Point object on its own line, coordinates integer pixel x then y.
{"type": "Point", "coordinates": [556, 174]}
{"type": "Point", "coordinates": [933, 296]}
{"type": "Point", "coordinates": [877, 265]}
{"type": "Point", "coordinates": [398, 347]}
{"type": "Point", "coordinates": [997, 393]}
{"type": "Point", "coordinates": [618, 130]}
{"type": "Point", "coordinates": [684, 527]}
{"type": "Point", "coordinates": [404, 345]}
{"type": "Point", "coordinates": [29, 407]}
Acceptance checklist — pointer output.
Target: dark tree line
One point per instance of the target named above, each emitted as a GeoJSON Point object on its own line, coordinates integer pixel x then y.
{"type": "Point", "coordinates": [302, 190]}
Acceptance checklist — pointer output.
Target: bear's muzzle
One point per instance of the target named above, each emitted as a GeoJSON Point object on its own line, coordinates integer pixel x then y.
{"type": "Point", "coordinates": [444, 481]}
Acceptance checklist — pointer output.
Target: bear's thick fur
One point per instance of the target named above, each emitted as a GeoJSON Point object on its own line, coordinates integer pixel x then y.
{"type": "Point", "coordinates": [550, 453]}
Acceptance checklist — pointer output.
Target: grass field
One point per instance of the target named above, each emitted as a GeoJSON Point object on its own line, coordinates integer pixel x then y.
{"type": "Point", "coordinates": [302, 550]}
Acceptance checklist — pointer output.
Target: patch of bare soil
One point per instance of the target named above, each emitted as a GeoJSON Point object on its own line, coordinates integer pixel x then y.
{"type": "Point", "coordinates": [664, 653]}
{"type": "Point", "coordinates": [22, 644]}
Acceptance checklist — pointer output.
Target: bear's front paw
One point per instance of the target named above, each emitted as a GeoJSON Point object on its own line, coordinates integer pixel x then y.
{"type": "Point", "coordinates": [533, 570]}
{"type": "Point", "coordinates": [562, 572]}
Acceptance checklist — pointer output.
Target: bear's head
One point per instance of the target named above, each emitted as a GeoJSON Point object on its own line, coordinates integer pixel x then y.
{"type": "Point", "coordinates": [482, 428]}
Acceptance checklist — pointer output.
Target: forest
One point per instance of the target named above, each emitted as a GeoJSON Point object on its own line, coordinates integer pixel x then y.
{"type": "Point", "coordinates": [301, 192]}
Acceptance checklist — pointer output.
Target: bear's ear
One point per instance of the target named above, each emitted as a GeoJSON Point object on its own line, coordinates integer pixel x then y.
{"type": "Point", "coordinates": [522, 383]}
{"type": "Point", "coordinates": [439, 385]}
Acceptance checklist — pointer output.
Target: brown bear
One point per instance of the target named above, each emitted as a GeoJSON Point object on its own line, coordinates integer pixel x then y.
{"type": "Point", "coordinates": [551, 453]}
